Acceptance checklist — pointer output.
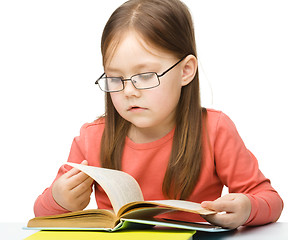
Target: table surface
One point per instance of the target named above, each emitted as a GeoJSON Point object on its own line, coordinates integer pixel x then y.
{"type": "Point", "coordinates": [277, 231]}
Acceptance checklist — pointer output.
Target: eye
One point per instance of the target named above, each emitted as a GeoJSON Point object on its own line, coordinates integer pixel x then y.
{"type": "Point", "coordinates": [145, 76]}
{"type": "Point", "coordinates": [114, 79]}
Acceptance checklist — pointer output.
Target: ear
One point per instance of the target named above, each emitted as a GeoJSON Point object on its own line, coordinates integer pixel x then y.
{"type": "Point", "coordinates": [189, 69]}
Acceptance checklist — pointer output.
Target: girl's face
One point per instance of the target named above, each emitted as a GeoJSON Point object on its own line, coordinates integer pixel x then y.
{"type": "Point", "coordinates": [150, 111]}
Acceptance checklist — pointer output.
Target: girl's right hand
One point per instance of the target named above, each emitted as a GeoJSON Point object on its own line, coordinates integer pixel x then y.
{"type": "Point", "coordinates": [73, 189]}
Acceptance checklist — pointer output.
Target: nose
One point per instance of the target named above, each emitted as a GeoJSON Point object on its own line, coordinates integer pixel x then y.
{"type": "Point", "coordinates": [130, 90]}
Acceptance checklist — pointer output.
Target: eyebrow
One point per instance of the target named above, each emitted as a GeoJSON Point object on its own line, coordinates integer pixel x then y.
{"type": "Point", "coordinates": [139, 66]}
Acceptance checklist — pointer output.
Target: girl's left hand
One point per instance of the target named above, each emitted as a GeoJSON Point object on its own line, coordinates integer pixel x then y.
{"type": "Point", "coordinates": [233, 210]}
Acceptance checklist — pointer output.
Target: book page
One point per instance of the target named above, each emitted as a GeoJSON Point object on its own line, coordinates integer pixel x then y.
{"type": "Point", "coordinates": [93, 218]}
{"type": "Point", "coordinates": [120, 187]}
{"type": "Point", "coordinates": [171, 205]}
{"type": "Point", "coordinates": [160, 222]}
{"type": "Point", "coordinates": [183, 206]}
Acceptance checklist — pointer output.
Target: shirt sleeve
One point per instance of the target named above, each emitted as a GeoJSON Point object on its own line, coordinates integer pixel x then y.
{"type": "Point", "coordinates": [45, 203]}
{"type": "Point", "coordinates": [238, 169]}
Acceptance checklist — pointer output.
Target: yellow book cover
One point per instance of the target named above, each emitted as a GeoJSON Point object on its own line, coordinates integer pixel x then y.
{"type": "Point", "coordinates": [155, 234]}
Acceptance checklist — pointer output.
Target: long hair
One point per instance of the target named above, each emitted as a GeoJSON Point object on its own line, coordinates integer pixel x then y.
{"type": "Point", "coordinates": [166, 24]}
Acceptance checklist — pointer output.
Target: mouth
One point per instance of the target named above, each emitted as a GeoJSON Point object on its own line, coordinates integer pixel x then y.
{"type": "Point", "coordinates": [135, 108]}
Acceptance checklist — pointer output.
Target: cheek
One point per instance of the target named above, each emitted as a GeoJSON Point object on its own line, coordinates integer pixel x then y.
{"type": "Point", "coordinates": [116, 100]}
{"type": "Point", "coordinates": [169, 93]}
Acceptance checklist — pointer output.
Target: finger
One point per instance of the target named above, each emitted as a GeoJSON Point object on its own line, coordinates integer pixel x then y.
{"type": "Point", "coordinates": [83, 187]}
{"type": "Point", "coordinates": [81, 202]}
{"type": "Point", "coordinates": [79, 178]}
{"type": "Point", "coordinates": [71, 172]}
{"type": "Point", "coordinates": [75, 176]}
{"type": "Point", "coordinates": [74, 171]}
{"type": "Point", "coordinates": [76, 179]}
{"type": "Point", "coordinates": [85, 200]}
{"type": "Point", "coordinates": [84, 195]}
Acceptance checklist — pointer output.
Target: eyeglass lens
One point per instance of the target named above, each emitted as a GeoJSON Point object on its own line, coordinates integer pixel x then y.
{"type": "Point", "coordinates": [140, 81]}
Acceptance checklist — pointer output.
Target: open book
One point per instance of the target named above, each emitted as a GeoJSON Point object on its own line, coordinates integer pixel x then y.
{"type": "Point", "coordinates": [129, 208]}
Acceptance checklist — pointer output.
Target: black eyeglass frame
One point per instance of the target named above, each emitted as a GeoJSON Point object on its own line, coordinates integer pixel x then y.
{"type": "Point", "coordinates": [129, 79]}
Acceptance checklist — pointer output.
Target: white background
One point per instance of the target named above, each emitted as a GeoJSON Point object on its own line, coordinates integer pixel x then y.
{"type": "Point", "coordinates": [50, 58]}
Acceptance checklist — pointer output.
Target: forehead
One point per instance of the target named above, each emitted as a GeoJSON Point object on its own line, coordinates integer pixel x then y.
{"type": "Point", "coordinates": [130, 46]}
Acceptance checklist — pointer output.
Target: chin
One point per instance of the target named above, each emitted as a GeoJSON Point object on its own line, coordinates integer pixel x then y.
{"type": "Point", "coordinates": [142, 124]}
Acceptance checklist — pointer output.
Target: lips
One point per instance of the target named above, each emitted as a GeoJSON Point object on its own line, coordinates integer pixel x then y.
{"type": "Point", "coordinates": [135, 108]}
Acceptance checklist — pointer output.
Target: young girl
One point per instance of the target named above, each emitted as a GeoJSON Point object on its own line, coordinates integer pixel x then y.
{"type": "Point", "coordinates": [155, 129]}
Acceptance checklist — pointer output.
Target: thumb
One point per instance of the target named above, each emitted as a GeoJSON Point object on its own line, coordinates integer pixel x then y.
{"type": "Point", "coordinates": [207, 204]}
{"type": "Point", "coordinates": [84, 162]}
{"type": "Point", "coordinates": [218, 206]}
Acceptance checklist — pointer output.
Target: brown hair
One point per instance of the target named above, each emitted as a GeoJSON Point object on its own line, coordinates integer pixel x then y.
{"type": "Point", "coordinates": [166, 24]}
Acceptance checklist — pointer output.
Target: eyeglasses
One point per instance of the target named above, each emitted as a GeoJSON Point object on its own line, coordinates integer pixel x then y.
{"type": "Point", "coordinates": [140, 81]}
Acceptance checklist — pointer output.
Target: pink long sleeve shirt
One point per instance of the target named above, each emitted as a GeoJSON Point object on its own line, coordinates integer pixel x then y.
{"type": "Point", "coordinates": [226, 162]}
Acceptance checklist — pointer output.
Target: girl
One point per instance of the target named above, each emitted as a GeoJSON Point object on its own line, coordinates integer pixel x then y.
{"type": "Point", "coordinates": [155, 129]}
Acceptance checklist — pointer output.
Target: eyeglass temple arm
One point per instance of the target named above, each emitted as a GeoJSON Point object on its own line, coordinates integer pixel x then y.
{"type": "Point", "coordinates": [160, 75]}
{"type": "Point", "coordinates": [96, 82]}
